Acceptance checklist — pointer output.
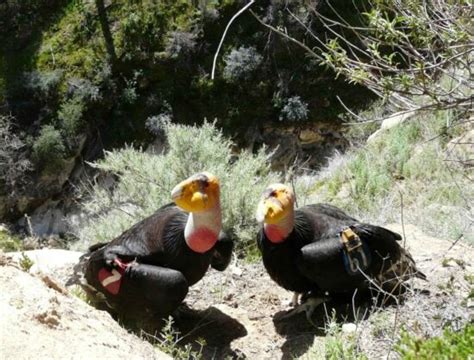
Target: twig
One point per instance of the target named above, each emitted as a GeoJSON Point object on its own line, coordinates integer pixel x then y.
{"type": "Point", "coordinates": [224, 34]}
{"type": "Point", "coordinates": [402, 219]}
{"type": "Point", "coordinates": [453, 244]}
{"type": "Point", "coordinates": [377, 286]}
{"type": "Point", "coordinates": [288, 37]}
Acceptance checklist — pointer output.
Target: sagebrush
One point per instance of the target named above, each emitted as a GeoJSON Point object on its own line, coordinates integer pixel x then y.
{"type": "Point", "coordinates": [144, 181]}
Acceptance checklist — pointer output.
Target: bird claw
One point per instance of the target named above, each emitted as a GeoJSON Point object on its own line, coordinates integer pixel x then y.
{"type": "Point", "coordinates": [308, 307]}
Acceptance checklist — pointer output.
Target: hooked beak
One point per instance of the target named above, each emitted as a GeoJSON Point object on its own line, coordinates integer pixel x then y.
{"type": "Point", "coordinates": [190, 196]}
{"type": "Point", "coordinates": [269, 211]}
{"type": "Point", "coordinates": [176, 192]}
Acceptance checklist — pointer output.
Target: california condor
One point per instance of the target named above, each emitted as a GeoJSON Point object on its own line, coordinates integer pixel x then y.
{"type": "Point", "coordinates": [320, 250]}
{"type": "Point", "coordinates": [146, 271]}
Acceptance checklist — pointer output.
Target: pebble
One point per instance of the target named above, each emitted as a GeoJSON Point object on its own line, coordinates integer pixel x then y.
{"type": "Point", "coordinates": [349, 328]}
{"type": "Point", "coordinates": [236, 271]}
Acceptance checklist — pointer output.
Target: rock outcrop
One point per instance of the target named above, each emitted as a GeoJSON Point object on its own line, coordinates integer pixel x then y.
{"type": "Point", "coordinates": [39, 319]}
{"type": "Point", "coordinates": [308, 143]}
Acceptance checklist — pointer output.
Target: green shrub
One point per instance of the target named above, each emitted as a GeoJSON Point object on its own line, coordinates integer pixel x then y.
{"type": "Point", "coordinates": [14, 162]}
{"type": "Point", "coordinates": [336, 345]}
{"type": "Point", "coordinates": [145, 181]}
{"type": "Point", "coordinates": [48, 148]}
{"type": "Point", "coordinates": [241, 63]}
{"type": "Point", "coordinates": [373, 170]}
{"type": "Point", "coordinates": [43, 84]}
{"type": "Point", "coordinates": [9, 242]}
{"type": "Point", "coordinates": [70, 116]}
{"type": "Point", "coordinates": [168, 342]}
{"type": "Point", "coordinates": [294, 109]}
{"type": "Point", "coordinates": [25, 262]}
{"type": "Point", "coordinates": [451, 345]}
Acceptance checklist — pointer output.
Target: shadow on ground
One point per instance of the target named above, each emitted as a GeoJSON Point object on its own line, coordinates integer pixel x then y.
{"type": "Point", "coordinates": [300, 334]}
{"type": "Point", "coordinates": [216, 328]}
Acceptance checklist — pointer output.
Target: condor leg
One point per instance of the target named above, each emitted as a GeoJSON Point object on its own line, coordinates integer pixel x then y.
{"type": "Point", "coordinates": [308, 307]}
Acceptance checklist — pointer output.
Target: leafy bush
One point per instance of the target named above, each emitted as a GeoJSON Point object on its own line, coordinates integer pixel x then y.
{"type": "Point", "coordinates": [180, 42]}
{"type": "Point", "coordinates": [336, 345]}
{"type": "Point", "coordinates": [25, 262]}
{"type": "Point", "coordinates": [168, 343]}
{"type": "Point", "coordinates": [339, 345]}
{"type": "Point", "coordinates": [145, 181]}
{"type": "Point", "coordinates": [241, 62]}
{"type": "Point", "coordinates": [48, 148]}
{"type": "Point", "coordinates": [84, 89]}
{"type": "Point", "coordinates": [294, 109]}
{"type": "Point", "coordinates": [129, 93]}
{"type": "Point", "coordinates": [9, 242]}
{"type": "Point", "coordinates": [155, 124]}
{"type": "Point", "coordinates": [396, 38]}
{"type": "Point", "coordinates": [452, 345]}
{"type": "Point", "coordinates": [43, 84]}
{"type": "Point", "coordinates": [70, 116]}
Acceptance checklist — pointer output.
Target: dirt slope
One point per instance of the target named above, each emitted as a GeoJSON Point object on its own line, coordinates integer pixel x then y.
{"type": "Point", "coordinates": [241, 309]}
{"type": "Point", "coordinates": [40, 322]}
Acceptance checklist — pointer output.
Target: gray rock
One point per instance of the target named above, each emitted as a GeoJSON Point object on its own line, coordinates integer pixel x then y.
{"type": "Point", "coordinates": [40, 321]}
{"type": "Point", "coordinates": [390, 122]}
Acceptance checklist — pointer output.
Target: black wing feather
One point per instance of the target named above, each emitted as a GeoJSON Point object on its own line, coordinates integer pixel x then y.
{"type": "Point", "coordinates": [222, 253]}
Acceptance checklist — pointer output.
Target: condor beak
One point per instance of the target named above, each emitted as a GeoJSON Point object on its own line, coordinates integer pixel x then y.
{"type": "Point", "coordinates": [176, 192]}
{"type": "Point", "coordinates": [269, 211]}
{"type": "Point", "coordinates": [189, 196]}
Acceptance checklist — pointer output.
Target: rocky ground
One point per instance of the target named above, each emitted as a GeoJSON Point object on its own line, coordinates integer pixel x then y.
{"type": "Point", "coordinates": [242, 309]}
{"type": "Point", "coordinates": [238, 313]}
{"type": "Point", "coordinates": [40, 319]}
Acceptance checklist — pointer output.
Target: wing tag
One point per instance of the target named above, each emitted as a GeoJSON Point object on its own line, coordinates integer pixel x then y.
{"type": "Point", "coordinates": [355, 253]}
{"type": "Point", "coordinates": [112, 279]}
{"type": "Point", "coordinates": [350, 240]}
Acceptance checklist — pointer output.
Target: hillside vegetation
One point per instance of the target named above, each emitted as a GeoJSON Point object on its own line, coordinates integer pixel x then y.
{"type": "Point", "coordinates": [69, 70]}
{"type": "Point", "coordinates": [418, 172]}
{"type": "Point", "coordinates": [106, 105]}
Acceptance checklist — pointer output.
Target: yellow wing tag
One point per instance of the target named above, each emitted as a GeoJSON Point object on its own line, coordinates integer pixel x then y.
{"type": "Point", "coordinates": [356, 255]}
{"type": "Point", "coordinates": [350, 240]}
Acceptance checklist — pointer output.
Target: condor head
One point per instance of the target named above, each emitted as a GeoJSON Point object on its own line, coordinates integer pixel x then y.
{"type": "Point", "coordinates": [276, 204]}
{"type": "Point", "coordinates": [199, 192]}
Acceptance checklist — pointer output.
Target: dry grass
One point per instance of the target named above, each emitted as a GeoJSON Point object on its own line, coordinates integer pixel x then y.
{"type": "Point", "coordinates": [411, 166]}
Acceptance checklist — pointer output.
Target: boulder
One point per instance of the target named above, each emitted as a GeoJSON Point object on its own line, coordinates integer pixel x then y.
{"type": "Point", "coordinates": [39, 321]}
{"type": "Point", "coordinates": [390, 122]}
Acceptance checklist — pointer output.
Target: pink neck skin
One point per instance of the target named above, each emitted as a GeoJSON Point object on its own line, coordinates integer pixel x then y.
{"type": "Point", "coordinates": [277, 233]}
{"type": "Point", "coordinates": [202, 229]}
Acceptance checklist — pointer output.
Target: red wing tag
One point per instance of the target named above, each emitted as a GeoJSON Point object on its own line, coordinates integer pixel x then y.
{"type": "Point", "coordinates": [110, 280]}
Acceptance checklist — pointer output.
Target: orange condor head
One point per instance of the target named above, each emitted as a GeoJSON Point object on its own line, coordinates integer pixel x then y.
{"type": "Point", "coordinates": [277, 202]}
{"type": "Point", "coordinates": [199, 192]}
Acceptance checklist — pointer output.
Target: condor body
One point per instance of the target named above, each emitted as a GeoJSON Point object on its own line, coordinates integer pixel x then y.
{"type": "Point", "coordinates": [157, 259]}
{"type": "Point", "coordinates": [302, 249]}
